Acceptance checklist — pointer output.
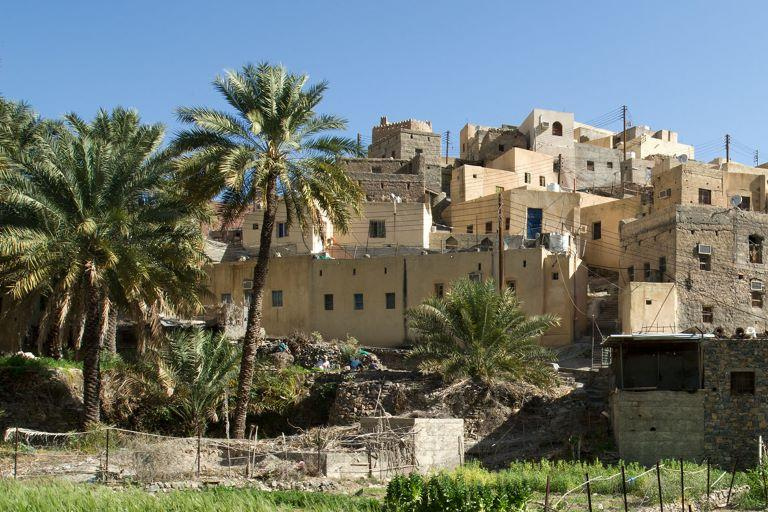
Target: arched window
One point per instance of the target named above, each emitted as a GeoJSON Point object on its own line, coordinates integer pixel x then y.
{"type": "Point", "coordinates": [486, 243]}
{"type": "Point", "coordinates": [557, 129]}
{"type": "Point", "coordinates": [755, 249]}
{"type": "Point", "coordinates": [451, 243]}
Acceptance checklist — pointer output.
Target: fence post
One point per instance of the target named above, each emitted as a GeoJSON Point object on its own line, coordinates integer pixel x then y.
{"type": "Point", "coordinates": [658, 481]}
{"type": "Point", "coordinates": [589, 492]}
{"type": "Point", "coordinates": [730, 487]}
{"type": "Point", "coordinates": [682, 486]}
{"type": "Point", "coordinates": [546, 495]}
{"type": "Point", "coordinates": [624, 487]}
{"type": "Point", "coordinates": [709, 486]}
{"type": "Point", "coordinates": [199, 440]}
{"type": "Point", "coordinates": [106, 458]}
{"type": "Point", "coordinates": [15, 453]}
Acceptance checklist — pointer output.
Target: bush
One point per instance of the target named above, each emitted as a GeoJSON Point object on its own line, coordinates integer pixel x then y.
{"type": "Point", "coordinates": [415, 493]}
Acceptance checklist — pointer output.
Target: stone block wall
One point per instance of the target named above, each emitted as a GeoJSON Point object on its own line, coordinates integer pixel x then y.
{"type": "Point", "coordinates": [652, 425]}
{"type": "Point", "coordinates": [734, 421]}
{"type": "Point", "coordinates": [405, 143]}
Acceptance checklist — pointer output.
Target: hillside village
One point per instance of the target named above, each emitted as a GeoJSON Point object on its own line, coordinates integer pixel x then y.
{"type": "Point", "coordinates": [612, 237]}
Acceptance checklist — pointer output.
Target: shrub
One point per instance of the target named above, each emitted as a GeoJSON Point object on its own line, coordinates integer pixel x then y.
{"type": "Point", "coordinates": [415, 493]}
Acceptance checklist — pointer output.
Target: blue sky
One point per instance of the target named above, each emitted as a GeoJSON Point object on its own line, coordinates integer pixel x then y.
{"type": "Point", "coordinates": [694, 67]}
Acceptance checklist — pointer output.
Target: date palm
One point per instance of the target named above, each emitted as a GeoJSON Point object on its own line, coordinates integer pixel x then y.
{"type": "Point", "coordinates": [192, 372]}
{"type": "Point", "coordinates": [273, 146]}
{"type": "Point", "coordinates": [87, 220]}
{"type": "Point", "coordinates": [477, 332]}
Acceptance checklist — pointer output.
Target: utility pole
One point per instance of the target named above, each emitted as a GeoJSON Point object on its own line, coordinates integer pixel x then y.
{"type": "Point", "coordinates": [359, 144]}
{"type": "Point", "coordinates": [757, 158]}
{"type": "Point", "coordinates": [727, 148]}
{"type": "Point", "coordinates": [501, 249]}
{"type": "Point", "coordinates": [447, 141]}
{"type": "Point", "coordinates": [559, 168]}
{"type": "Point", "coordinates": [624, 131]}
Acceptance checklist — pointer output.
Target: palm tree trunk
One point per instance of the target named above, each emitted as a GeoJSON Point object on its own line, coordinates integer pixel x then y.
{"type": "Point", "coordinates": [90, 347]}
{"type": "Point", "coordinates": [52, 346]}
{"type": "Point", "coordinates": [253, 326]}
{"type": "Point", "coordinates": [110, 335]}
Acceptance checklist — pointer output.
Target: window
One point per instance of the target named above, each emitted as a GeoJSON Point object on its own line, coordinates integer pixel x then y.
{"type": "Point", "coordinates": [755, 249]}
{"type": "Point", "coordinates": [527, 177]}
{"type": "Point", "coordinates": [557, 129]}
{"type": "Point", "coordinates": [542, 181]}
{"type": "Point", "coordinates": [597, 230]}
{"type": "Point", "coordinates": [647, 271]}
{"type": "Point", "coordinates": [648, 302]}
{"type": "Point", "coordinates": [390, 300]}
{"type": "Point", "coordinates": [743, 383]}
{"type": "Point", "coordinates": [705, 262]}
{"type": "Point", "coordinates": [377, 229]}
{"type": "Point", "coordinates": [590, 165]}
{"type": "Point", "coordinates": [662, 268]}
{"type": "Point", "coordinates": [328, 301]}
{"type": "Point", "coordinates": [226, 298]}
{"type": "Point", "coordinates": [631, 273]}
{"type": "Point", "coordinates": [511, 285]}
{"type": "Point", "coordinates": [393, 154]}
{"type": "Point", "coordinates": [555, 276]}
{"type": "Point", "coordinates": [507, 222]}
{"type": "Point", "coordinates": [358, 301]}
{"type": "Point", "coordinates": [499, 189]}
{"type": "Point", "coordinates": [489, 227]}
{"type": "Point", "coordinates": [282, 229]}
{"type": "Point", "coordinates": [757, 299]}
{"type": "Point", "coordinates": [439, 290]}
{"type": "Point", "coordinates": [419, 151]}
{"type": "Point", "coordinates": [745, 203]}
{"type": "Point", "coordinates": [475, 277]}
{"type": "Point", "coordinates": [707, 315]}
{"type": "Point", "coordinates": [705, 196]}
{"type": "Point", "coordinates": [501, 147]}
{"type": "Point", "coordinates": [470, 229]}
{"type": "Point", "coordinates": [609, 164]}
{"type": "Point", "coordinates": [255, 225]}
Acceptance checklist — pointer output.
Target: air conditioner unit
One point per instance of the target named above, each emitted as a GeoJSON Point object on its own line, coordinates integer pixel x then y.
{"type": "Point", "coordinates": [704, 249]}
{"type": "Point", "coordinates": [247, 284]}
{"type": "Point", "coordinates": [756, 286]}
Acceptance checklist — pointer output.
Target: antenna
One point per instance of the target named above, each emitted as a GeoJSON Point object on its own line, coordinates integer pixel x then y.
{"type": "Point", "coordinates": [736, 201]}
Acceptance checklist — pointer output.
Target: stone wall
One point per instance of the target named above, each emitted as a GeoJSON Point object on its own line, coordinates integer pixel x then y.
{"type": "Point", "coordinates": [405, 143]}
{"type": "Point", "coordinates": [652, 425]}
{"type": "Point", "coordinates": [734, 421]}
{"type": "Point", "coordinates": [606, 167]}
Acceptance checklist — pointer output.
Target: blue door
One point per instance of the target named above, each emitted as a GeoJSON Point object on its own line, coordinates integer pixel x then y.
{"type": "Point", "coordinates": [533, 224]}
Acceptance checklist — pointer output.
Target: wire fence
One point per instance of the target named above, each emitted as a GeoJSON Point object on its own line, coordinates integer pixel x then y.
{"type": "Point", "coordinates": [114, 454]}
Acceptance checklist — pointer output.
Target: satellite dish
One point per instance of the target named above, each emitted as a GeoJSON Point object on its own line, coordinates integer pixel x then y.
{"type": "Point", "coordinates": [682, 158]}
{"type": "Point", "coordinates": [736, 201]}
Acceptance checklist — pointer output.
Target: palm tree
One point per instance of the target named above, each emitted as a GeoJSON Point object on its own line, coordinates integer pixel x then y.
{"type": "Point", "coordinates": [273, 147]}
{"type": "Point", "coordinates": [88, 221]}
{"type": "Point", "coordinates": [193, 371]}
{"type": "Point", "coordinates": [477, 332]}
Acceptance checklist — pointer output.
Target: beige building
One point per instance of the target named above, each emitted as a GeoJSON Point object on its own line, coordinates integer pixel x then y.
{"type": "Point", "coordinates": [367, 297]}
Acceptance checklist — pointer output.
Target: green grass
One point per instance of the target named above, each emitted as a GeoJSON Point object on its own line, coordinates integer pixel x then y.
{"type": "Point", "coordinates": [20, 364]}
{"type": "Point", "coordinates": [50, 496]}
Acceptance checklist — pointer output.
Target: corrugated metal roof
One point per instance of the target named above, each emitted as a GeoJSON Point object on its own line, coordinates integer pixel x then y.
{"type": "Point", "coordinates": [671, 337]}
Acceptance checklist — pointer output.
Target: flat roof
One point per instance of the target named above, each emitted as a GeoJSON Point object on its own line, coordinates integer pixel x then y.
{"type": "Point", "coordinates": [674, 337]}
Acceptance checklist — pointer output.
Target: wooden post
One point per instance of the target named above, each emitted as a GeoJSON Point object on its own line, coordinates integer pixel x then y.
{"type": "Point", "coordinates": [546, 495]}
{"type": "Point", "coordinates": [658, 481]}
{"type": "Point", "coordinates": [682, 486]}
{"type": "Point", "coordinates": [589, 492]}
{"type": "Point", "coordinates": [16, 453]}
{"type": "Point", "coordinates": [199, 441]}
{"type": "Point", "coordinates": [106, 458]}
{"type": "Point", "coordinates": [730, 487]}
{"type": "Point", "coordinates": [624, 488]}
